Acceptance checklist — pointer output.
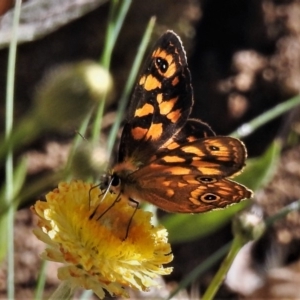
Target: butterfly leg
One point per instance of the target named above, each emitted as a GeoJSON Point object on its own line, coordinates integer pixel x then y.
{"type": "Point", "coordinates": [116, 201]}
{"type": "Point", "coordinates": [129, 223]}
{"type": "Point", "coordinates": [90, 195]}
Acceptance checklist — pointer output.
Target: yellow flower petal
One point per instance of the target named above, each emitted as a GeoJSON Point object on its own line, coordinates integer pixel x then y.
{"type": "Point", "coordinates": [86, 233]}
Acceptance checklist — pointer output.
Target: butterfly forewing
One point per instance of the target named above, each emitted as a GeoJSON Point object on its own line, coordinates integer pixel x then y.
{"type": "Point", "coordinates": [161, 102]}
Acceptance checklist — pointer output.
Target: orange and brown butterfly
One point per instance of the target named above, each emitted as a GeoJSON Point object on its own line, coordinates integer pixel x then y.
{"type": "Point", "coordinates": [166, 158]}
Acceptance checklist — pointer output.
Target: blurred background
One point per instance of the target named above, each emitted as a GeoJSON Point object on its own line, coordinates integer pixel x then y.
{"type": "Point", "coordinates": [244, 57]}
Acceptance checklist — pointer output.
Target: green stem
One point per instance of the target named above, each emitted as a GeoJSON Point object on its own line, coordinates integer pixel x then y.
{"type": "Point", "coordinates": [294, 206]}
{"type": "Point", "coordinates": [207, 264]}
{"type": "Point", "coordinates": [218, 279]}
{"type": "Point", "coordinates": [41, 281]}
{"type": "Point", "coordinates": [248, 128]}
{"type": "Point", "coordinates": [109, 36]}
{"type": "Point", "coordinates": [9, 191]}
{"type": "Point", "coordinates": [25, 132]}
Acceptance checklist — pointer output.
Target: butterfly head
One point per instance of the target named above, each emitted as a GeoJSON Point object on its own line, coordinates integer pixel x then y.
{"type": "Point", "coordinates": [113, 183]}
{"type": "Point", "coordinates": [119, 176]}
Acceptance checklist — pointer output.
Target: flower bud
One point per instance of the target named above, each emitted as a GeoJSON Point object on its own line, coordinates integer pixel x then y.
{"type": "Point", "coordinates": [69, 92]}
{"type": "Point", "coordinates": [88, 161]}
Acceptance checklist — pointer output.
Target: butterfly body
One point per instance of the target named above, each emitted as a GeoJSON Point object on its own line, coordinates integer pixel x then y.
{"type": "Point", "coordinates": [167, 159]}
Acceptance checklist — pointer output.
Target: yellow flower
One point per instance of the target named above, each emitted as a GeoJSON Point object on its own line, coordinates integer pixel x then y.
{"type": "Point", "coordinates": [92, 245]}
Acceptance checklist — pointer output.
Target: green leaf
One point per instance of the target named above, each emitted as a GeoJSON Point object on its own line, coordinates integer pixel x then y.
{"type": "Point", "coordinates": [259, 171]}
{"type": "Point", "coordinates": [184, 227]}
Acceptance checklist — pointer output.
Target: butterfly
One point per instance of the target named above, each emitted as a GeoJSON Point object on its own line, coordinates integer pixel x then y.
{"type": "Point", "coordinates": [166, 158]}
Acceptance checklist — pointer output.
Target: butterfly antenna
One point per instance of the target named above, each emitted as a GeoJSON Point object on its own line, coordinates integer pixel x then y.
{"type": "Point", "coordinates": [106, 190]}
{"type": "Point", "coordinates": [103, 195]}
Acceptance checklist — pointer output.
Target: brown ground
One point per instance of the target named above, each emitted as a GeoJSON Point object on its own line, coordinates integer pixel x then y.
{"type": "Point", "coordinates": [244, 57]}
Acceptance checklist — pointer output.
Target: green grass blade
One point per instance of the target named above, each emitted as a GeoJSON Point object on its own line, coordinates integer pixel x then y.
{"type": "Point", "coordinates": [248, 128]}
{"type": "Point", "coordinates": [129, 84]}
{"type": "Point", "coordinates": [215, 284]}
{"type": "Point", "coordinates": [283, 212]}
{"type": "Point", "coordinates": [18, 181]}
{"type": "Point", "coordinates": [41, 281]}
{"type": "Point", "coordinates": [115, 23]}
{"type": "Point", "coordinates": [199, 270]}
{"type": "Point", "coordinates": [9, 159]}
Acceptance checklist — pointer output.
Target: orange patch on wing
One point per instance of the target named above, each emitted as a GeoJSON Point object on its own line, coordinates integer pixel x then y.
{"type": "Point", "coordinates": [190, 179]}
{"type": "Point", "coordinates": [178, 170]}
{"type": "Point", "coordinates": [166, 183]}
{"type": "Point", "coordinates": [147, 109]}
{"type": "Point", "coordinates": [175, 80]}
{"type": "Point", "coordinates": [138, 132]}
{"type": "Point", "coordinates": [172, 146]}
{"type": "Point", "coordinates": [151, 83]}
{"type": "Point", "coordinates": [170, 192]}
{"type": "Point", "coordinates": [170, 159]}
{"type": "Point", "coordinates": [163, 54]}
{"type": "Point", "coordinates": [191, 138]}
{"type": "Point", "coordinates": [174, 115]}
{"type": "Point", "coordinates": [181, 184]}
{"type": "Point", "coordinates": [155, 52]}
{"type": "Point", "coordinates": [169, 58]}
{"type": "Point", "coordinates": [207, 168]}
{"type": "Point", "coordinates": [166, 106]}
{"type": "Point", "coordinates": [142, 80]}
{"type": "Point", "coordinates": [171, 70]}
{"type": "Point", "coordinates": [159, 98]}
{"type": "Point", "coordinates": [193, 149]}
{"type": "Point", "coordinates": [195, 201]}
{"type": "Point", "coordinates": [224, 158]}
{"type": "Point", "coordinates": [155, 131]}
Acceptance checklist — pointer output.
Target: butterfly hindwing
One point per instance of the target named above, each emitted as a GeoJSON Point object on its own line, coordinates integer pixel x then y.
{"type": "Point", "coordinates": [191, 177]}
{"type": "Point", "coordinates": [188, 193]}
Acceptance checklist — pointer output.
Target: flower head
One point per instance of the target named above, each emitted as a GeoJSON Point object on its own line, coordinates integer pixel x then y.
{"type": "Point", "coordinates": [86, 233]}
